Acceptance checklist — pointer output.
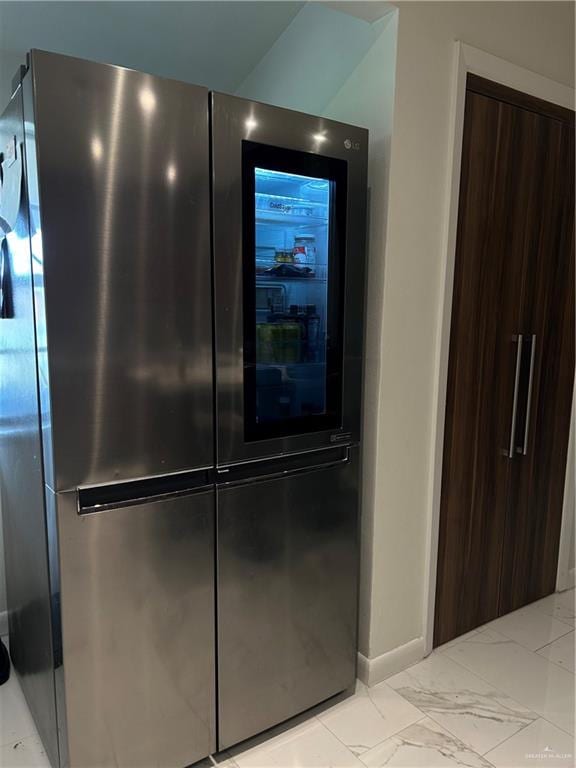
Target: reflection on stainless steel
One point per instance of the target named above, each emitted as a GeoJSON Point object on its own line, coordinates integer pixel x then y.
{"type": "Point", "coordinates": [130, 252]}
{"type": "Point", "coordinates": [250, 124]}
{"type": "Point", "coordinates": [147, 100]}
{"type": "Point", "coordinates": [171, 173]}
{"type": "Point", "coordinates": [287, 575]}
{"type": "Point", "coordinates": [96, 148]}
{"type": "Point", "coordinates": [138, 616]}
{"type": "Point", "coordinates": [103, 293]}
{"type": "Point", "coordinates": [21, 481]}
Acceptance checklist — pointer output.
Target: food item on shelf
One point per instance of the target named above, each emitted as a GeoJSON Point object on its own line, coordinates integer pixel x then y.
{"type": "Point", "coordinates": [284, 257]}
{"type": "Point", "coordinates": [291, 342]}
{"type": "Point", "coordinates": [305, 250]}
{"type": "Point", "coordinates": [289, 270]}
{"type": "Point", "coordinates": [278, 342]}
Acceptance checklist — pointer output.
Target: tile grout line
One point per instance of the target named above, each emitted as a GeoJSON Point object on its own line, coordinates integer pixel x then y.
{"type": "Point", "coordinates": [533, 650]}
{"type": "Point", "coordinates": [380, 742]}
{"type": "Point", "coordinates": [570, 632]}
{"type": "Point", "coordinates": [540, 717]}
{"type": "Point", "coordinates": [542, 612]}
{"type": "Point", "coordinates": [424, 716]}
{"type": "Point", "coordinates": [512, 735]}
{"type": "Point", "coordinates": [336, 737]}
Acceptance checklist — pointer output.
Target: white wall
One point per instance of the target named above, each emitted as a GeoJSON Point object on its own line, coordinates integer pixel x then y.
{"type": "Point", "coordinates": [311, 59]}
{"type": "Point", "coordinates": [367, 98]}
{"type": "Point", "coordinates": [567, 555]}
{"type": "Point", "coordinates": [536, 35]}
{"type": "Point", "coordinates": [208, 43]}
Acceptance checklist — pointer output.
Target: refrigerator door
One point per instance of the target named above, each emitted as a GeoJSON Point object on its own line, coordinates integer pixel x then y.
{"type": "Point", "coordinates": [289, 205]}
{"type": "Point", "coordinates": [123, 292]}
{"type": "Point", "coordinates": [21, 482]}
{"type": "Point", "coordinates": [287, 581]}
{"type": "Point", "coordinates": [137, 589]}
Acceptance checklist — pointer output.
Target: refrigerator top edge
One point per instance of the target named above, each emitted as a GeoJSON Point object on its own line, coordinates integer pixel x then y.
{"type": "Point", "coordinates": [37, 55]}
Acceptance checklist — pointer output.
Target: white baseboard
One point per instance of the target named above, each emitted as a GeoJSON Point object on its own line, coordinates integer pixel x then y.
{"type": "Point", "coordinates": [567, 581]}
{"type": "Point", "coordinates": [373, 671]}
{"type": "Point", "coordinates": [3, 623]}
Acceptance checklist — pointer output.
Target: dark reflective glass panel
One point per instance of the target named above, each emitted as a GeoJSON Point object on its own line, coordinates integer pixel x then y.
{"type": "Point", "coordinates": [294, 217]}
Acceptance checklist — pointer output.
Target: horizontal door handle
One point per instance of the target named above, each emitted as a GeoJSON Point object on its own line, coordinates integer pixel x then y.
{"type": "Point", "coordinates": [145, 490]}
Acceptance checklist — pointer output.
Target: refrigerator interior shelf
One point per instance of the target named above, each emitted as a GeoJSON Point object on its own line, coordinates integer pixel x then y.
{"type": "Point", "coordinates": [292, 278]}
{"type": "Point", "coordinates": [268, 217]}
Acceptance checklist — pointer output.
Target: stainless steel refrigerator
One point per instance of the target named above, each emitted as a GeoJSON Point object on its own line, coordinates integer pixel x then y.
{"type": "Point", "coordinates": [181, 322]}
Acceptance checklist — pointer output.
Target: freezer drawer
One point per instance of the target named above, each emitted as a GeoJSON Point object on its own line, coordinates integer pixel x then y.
{"type": "Point", "coordinates": [137, 589]}
{"type": "Point", "coordinates": [287, 599]}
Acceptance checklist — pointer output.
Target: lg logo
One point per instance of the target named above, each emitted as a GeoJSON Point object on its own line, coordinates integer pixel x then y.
{"type": "Point", "coordinates": [349, 144]}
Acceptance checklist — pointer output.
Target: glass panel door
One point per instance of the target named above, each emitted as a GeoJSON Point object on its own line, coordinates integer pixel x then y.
{"type": "Point", "coordinates": [294, 235]}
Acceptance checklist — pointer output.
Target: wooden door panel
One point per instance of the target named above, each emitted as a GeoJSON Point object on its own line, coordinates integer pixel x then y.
{"type": "Point", "coordinates": [480, 378]}
{"type": "Point", "coordinates": [514, 274]}
{"type": "Point", "coordinates": [532, 533]}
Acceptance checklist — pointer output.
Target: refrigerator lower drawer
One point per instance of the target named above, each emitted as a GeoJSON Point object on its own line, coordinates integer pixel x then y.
{"type": "Point", "coordinates": [137, 586]}
{"type": "Point", "coordinates": [287, 596]}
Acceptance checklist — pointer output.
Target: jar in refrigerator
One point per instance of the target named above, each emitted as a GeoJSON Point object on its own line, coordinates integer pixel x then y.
{"type": "Point", "coordinates": [284, 257]}
{"type": "Point", "coordinates": [291, 343]}
{"type": "Point", "coordinates": [305, 250]}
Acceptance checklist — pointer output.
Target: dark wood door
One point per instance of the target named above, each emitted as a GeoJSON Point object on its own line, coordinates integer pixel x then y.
{"type": "Point", "coordinates": [532, 533]}
{"type": "Point", "coordinates": [508, 204]}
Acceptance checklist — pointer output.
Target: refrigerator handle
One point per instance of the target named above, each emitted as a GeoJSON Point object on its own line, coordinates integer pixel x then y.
{"type": "Point", "coordinates": [114, 495]}
{"type": "Point", "coordinates": [281, 466]}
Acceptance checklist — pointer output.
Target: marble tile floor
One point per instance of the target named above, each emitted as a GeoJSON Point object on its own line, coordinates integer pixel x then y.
{"type": "Point", "coordinates": [500, 696]}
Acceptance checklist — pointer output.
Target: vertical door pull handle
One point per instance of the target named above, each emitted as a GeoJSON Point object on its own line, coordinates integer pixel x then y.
{"type": "Point", "coordinates": [529, 396]}
{"type": "Point", "coordinates": [519, 340]}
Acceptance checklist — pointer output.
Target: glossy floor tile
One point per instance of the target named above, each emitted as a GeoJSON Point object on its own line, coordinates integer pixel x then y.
{"type": "Point", "coordinates": [467, 706]}
{"type": "Point", "coordinates": [309, 745]}
{"type": "Point", "coordinates": [530, 628]}
{"type": "Point", "coordinates": [561, 652]}
{"type": "Point", "coordinates": [526, 677]}
{"type": "Point", "coordinates": [24, 753]}
{"type": "Point", "coordinates": [367, 719]}
{"type": "Point", "coordinates": [483, 700]}
{"type": "Point", "coordinates": [423, 745]}
{"type": "Point", "coordinates": [15, 720]}
{"type": "Point", "coordinates": [541, 743]}
{"type": "Point", "coordinates": [561, 606]}
{"type": "Point", "coordinates": [451, 643]}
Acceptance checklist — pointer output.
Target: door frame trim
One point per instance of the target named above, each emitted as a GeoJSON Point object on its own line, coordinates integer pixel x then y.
{"type": "Point", "coordinates": [466, 59]}
{"type": "Point", "coordinates": [565, 578]}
